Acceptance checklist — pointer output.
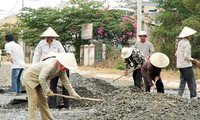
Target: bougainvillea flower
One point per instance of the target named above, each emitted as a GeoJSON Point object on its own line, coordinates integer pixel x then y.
{"type": "Point", "coordinates": [121, 24]}
{"type": "Point", "coordinates": [125, 18]}
{"type": "Point", "coordinates": [100, 31]}
{"type": "Point", "coordinates": [135, 25]}
{"type": "Point", "coordinates": [129, 33]}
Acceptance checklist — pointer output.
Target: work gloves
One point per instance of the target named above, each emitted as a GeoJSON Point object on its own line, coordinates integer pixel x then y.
{"type": "Point", "coordinates": [76, 95]}
{"type": "Point", "coordinates": [50, 93]}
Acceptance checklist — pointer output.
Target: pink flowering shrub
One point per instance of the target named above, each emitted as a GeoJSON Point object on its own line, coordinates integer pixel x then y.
{"type": "Point", "coordinates": [110, 26]}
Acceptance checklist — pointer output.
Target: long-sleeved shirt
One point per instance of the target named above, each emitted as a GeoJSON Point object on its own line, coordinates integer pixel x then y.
{"type": "Point", "coordinates": [39, 73]}
{"type": "Point", "coordinates": [183, 54]}
{"type": "Point", "coordinates": [150, 72]}
{"type": "Point", "coordinates": [43, 48]}
{"type": "Point", "coordinates": [136, 59]}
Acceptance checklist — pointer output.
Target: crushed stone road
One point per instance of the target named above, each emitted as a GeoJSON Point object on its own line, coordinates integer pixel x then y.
{"type": "Point", "coordinates": [121, 101]}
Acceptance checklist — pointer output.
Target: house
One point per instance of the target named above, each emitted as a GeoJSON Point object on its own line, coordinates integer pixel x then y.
{"type": "Point", "coordinates": [150, 11]}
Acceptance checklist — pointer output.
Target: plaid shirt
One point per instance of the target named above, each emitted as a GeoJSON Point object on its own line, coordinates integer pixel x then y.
{"type": "Point", "coordinates": [136, 59]}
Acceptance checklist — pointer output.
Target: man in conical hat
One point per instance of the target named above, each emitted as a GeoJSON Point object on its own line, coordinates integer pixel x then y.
{"type": "Point", "coordinates": [184, 62]}
{"type": "Point", "coordinates": [48, 45]}
{"type": "Point", "coordinates": [36, 77]}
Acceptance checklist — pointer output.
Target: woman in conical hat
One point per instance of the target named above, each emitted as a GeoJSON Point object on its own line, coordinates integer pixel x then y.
{"type": "Point", "coordinates": [151, 72]}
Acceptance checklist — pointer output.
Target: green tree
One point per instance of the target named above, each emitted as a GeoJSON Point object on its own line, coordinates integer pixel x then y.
{"type": "Point", "coordinates": [67, 23]}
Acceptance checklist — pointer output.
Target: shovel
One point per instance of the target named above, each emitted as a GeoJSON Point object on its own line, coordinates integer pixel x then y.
{"type": "Point", "coordinates": [81, 98]}
{"type": "Point", "coordinates": [123, 75]}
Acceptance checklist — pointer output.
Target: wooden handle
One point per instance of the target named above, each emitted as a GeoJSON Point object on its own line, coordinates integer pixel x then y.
{"type": "Point", "coordinates": [123, 75]}
{"type": "Point", "coordinates": [81, 98]}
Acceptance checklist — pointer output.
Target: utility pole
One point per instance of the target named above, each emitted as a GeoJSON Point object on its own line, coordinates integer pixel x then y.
{"type": "Point", "coordinates": [139, 16]}
{"type": "Point", "coordinates": [61, 4]}
{"type": "Point", "coordinates": [22, 4]}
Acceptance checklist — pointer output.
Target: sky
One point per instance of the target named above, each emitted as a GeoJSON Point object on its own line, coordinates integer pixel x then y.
{"type": "Point", "coordinates": [9, 7]}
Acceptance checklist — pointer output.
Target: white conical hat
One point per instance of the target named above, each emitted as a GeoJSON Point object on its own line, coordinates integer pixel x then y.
{"type": "Point", "coordinates": [67, 60]}
{"type": "Point", "coordinates": [50, 54]}
{"type": "Point", "coordinates": [159, 60]}
{"type": "Point", "coordinates": [126, 52]}
{"type": "Point", "coordinates": [49, 33]}
{"type": "Point", "coordinates": [187, 32]}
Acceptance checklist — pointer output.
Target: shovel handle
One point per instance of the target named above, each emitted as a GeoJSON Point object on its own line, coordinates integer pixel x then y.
{"type": "Point", "coordinates": [81, 98]}
{"type": "Point", "coordinates": [123, 75]}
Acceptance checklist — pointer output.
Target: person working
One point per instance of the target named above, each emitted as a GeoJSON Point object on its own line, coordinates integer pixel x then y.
{"type": "Point", "coordinates": [184, 62]}
{"type": "Point", "coordinates": [151, 72]}
{"type": "Point", "coordinates": [15, 55]}
{"type": "Point", "coordinates": [44, 47]}
{"type": "Point", "coordinates": [133, 58]}
{"type": "Point", "coordinates": [36, 76]}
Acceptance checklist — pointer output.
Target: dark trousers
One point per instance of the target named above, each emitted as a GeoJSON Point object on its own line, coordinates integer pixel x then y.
{"type": "Point", "coordinates": [187, 76]}
{"type": "Point", "coordinates": [53, 86]}
{"type": "Point", "coordinates": [137, 77]}
{"type": "Point", "coordinates": [159, 85]}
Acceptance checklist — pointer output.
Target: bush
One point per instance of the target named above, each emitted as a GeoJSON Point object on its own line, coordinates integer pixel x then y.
{"type": "Point", "coordinates": [120, 65]}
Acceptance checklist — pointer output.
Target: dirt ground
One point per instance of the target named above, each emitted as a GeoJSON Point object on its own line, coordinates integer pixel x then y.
{"type": "Point", "coordinates": [165, 74]}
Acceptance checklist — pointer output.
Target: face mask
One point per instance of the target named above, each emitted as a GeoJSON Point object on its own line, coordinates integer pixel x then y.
{"type": "Point", "coordinates": [62, 68]}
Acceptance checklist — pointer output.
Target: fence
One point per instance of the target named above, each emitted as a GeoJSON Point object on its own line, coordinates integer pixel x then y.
{"type": "Point", "coordinates": [92, 54]}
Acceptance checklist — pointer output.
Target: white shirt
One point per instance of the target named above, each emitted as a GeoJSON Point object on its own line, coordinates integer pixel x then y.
{"type": "Point", "coordinates": [43, 49]}
{"type": "Point", "coordinates": [17, 54]}
{"type": "Point", "coordinates": [183, 54]}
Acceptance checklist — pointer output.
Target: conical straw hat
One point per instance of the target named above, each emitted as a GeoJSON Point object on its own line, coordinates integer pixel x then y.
{"type": "Point", "coordinates": [67, 60]}
{"type": "Point", "coordinates": [187, 32]}
{"type": "Point", "coordinates": [49, 33]}
{"type": "Point", "coordinates": [159, 60]}
{"type": "Point", "coordinates": [126, 52]}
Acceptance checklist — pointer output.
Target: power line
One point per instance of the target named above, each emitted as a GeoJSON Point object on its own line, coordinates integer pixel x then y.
{"type": "Point", "coordinates": [14, 6]}
{"type": "Point", "coordinates": [4, 12]}
{"type": "Point", "coordinates": [10, 11]}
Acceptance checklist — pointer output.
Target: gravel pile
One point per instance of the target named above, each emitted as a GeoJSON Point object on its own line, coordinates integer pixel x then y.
{"type": "Point", "coordinates": [128, 103]}
{"type": "Point", "coordinates": [119, 103]}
